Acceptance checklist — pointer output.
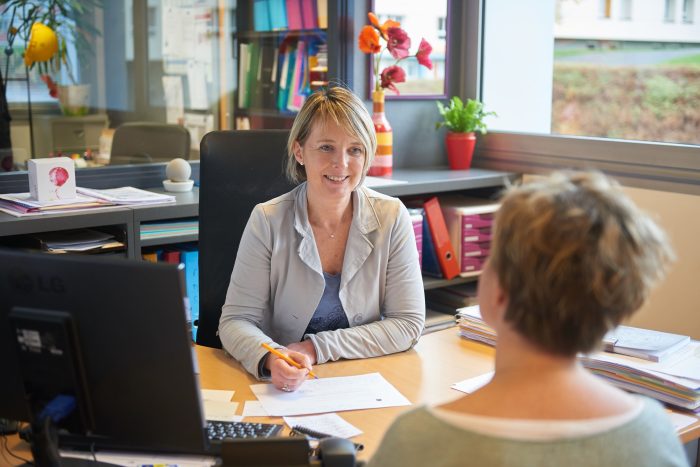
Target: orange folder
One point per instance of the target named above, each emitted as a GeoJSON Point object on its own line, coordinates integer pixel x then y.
{"type": "Point", "coordinates": [449, 263]}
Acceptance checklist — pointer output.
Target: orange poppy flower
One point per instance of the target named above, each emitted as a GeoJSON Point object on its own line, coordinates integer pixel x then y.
{"type": "Point", "coordinates": [369, 40]}
{"type": "Point", "coordinates": [390, 23]}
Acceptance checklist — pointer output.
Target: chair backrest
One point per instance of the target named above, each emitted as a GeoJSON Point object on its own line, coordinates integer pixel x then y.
{"type": "Point", "coordinates": [144, 142]}
{"type": "Point", "coordinates": [238, 169]}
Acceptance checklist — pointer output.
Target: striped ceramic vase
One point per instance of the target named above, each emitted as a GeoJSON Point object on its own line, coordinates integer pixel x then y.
{"type": "Point", "coordinates": [382, 163]}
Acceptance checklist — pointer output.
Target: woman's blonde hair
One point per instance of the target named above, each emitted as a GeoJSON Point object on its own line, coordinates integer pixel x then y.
{"type": "Point", "coordinates": [575, 257]}
{"type": "Point", "coordinates": [336, 104]}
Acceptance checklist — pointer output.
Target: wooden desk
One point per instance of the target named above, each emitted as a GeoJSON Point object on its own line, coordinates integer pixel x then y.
{"type": "Point", "coordinates": [424, 375]}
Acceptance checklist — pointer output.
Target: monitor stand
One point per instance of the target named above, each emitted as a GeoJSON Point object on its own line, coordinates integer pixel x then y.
{"type": "Point", "coordinates": [44, 445]}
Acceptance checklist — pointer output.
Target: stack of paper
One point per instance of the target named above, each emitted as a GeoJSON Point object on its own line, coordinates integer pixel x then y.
{"type": "Point", "coordinates": [82, 240]}
{"type": "Point", "coordinates": [644, 343]}
{"type": "Point", "coordinates": [127, 195]}
{"type": "Point", "coordinates": [22, 204]}
{"type": "Point", "coordinates": [471, 326]}
{"type": "Point", "coordinates": [675, 381]}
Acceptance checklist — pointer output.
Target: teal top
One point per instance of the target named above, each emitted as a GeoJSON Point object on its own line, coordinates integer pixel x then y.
{"type": "Point", "coordinates": [420, 438]}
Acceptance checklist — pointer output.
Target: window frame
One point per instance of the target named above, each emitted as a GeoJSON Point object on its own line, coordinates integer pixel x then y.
{"type": "Point", "coordinates": [650, 165]}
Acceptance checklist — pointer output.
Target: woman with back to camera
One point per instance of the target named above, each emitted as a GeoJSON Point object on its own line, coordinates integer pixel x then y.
{"type": "Point", "coordinates": [571, 258]}
{"type": "Point", "coordinates": [330, 269]}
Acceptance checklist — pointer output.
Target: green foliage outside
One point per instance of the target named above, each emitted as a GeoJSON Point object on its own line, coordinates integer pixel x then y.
{"type": "Point", "coordinates": [659, 103]}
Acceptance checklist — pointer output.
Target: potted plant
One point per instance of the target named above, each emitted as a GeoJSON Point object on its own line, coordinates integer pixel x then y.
{"type": "Point", "coordinates": [47, 28]}
{"type": "Point", "coordinates": [462, 120]}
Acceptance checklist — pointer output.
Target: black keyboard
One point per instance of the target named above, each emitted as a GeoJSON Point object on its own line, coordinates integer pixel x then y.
{"type": "Point", "coordinates": [218, 431]}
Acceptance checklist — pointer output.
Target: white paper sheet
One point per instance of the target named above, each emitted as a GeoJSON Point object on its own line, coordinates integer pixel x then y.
{"type": "Point", "coordinates": [141, 459]}
{"type": "Point", "coordinates": [217, 395]}
{"type": "Point", "coordinates": [174, 100]}
{"type": "Point", "coordinates": [378, 181]}
{"type": "Point", "coordinates": [222, 411]}
{"type": "Point", "coordinates": [328, 423]}
{"type": "Point", "coordinates": [680, 420]}
{"type": "Point", "coordinates": [472, 384]}
{"type": "Point", "coordinates": [330, 395]}
{"type": "Point", "coordinates": [253, 409]}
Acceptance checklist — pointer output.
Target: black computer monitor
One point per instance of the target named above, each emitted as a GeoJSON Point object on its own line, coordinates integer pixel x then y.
{"type": "Point", "coordinates": [130, 362]}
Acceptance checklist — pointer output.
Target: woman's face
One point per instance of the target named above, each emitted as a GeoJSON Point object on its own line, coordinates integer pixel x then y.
{"type": "Point", "coordinates": [334, 160]}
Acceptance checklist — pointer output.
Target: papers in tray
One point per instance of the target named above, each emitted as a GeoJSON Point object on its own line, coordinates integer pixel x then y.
{"type": "Point", "coordinates": [323, 395]}
{"type": "Point", "coordinates": [127, 195]}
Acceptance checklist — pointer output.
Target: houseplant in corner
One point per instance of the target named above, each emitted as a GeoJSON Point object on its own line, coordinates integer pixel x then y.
{"type": "Point", "coordinates": [462, 120]}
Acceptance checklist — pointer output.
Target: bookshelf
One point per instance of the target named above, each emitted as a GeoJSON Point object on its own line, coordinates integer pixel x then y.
{"type": "Point", "coordinates": [284, 50]}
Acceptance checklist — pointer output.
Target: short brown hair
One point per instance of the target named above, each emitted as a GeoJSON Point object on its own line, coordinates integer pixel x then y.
{"type": "Point", "coordinates": [341, 106]}
{"type": "Point", "coordinates": [575, 257]}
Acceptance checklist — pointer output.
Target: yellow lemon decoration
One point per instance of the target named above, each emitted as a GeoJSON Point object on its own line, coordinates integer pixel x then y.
{"type": "Point", "coordinates": [43, 44]}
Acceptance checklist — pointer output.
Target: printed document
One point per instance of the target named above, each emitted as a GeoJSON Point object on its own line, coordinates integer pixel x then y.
{"type": "Point", "coordinates": [323, 395]}
{"type": "Point", "coordinates": [328, 423]}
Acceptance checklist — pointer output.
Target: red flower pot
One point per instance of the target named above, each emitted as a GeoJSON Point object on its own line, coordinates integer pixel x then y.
{"type": "Point", "coordinates": [460, 149]}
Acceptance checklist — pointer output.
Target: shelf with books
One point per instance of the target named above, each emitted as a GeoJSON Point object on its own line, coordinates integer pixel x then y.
{"type": "Point", "coordinates": [284, 54]}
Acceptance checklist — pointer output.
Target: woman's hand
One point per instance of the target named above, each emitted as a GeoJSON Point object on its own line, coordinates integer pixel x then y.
{"type": "Point", "coordinates": [286, 377]}
{"type": "Point", "coordinates": [306, 347]}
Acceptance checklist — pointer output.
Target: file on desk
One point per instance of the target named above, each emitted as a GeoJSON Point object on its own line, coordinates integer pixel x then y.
{"type": "Point", "coordinates": [648, 344]}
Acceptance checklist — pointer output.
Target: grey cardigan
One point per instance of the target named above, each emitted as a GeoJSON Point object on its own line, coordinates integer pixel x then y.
{"type": "Point", "coordinates": [277, 282]}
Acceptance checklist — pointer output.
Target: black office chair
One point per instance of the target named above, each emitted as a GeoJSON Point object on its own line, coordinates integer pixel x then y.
{"type": "Point", "coordinates": [238, 170]}
{"type": "Point", "coordinates": [145, 142]}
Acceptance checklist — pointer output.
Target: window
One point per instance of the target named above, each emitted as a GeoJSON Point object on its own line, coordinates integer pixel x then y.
{"type": "Point", "coordinates": [578, 90]}
{"type": "Point", "coordinates": [605, 8]}
{"type": "Point", "coordinates": [688, 11]}
{"type": "Point", "coordinates": [626, 10]}
{"type": "Point", "coordinates": [670, 11]}
{"type": "Point", "coordinates": [441, 27]}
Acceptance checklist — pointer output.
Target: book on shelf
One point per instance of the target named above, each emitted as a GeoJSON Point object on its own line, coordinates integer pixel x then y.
{"type": "Point", "coordinates": [187, 255]}
{"type": "Point", "coordinates": [644, 343]}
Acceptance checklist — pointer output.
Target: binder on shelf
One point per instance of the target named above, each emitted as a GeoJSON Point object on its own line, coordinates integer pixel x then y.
{"type": "Point", "coordinates": [417, 221]}
{"type": "Point", "coordinates": [261, 15]}
{"type": "Point", "coordinates": [322, 13]}
{"type": "Point", "coordinates": [171, 256]}
{"type": "Point", "coordinates": [449, 264]}
{"type": "Point", "coordinates": [308, 14]}
{"type": "Point", "coordinates": [243, 67]}
{"type": "Point", "coordinates": [190, 258]}
{"type": "Point", "coordinates": [278, 15]}
{"type": "Point", "coordinates": [429, 262]}
{"type": "Point", "coordinates": [294, 21]}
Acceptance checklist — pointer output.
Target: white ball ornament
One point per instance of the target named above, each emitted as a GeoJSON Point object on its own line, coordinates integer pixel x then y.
{"type": "Point", "coordinates": [178, 170]}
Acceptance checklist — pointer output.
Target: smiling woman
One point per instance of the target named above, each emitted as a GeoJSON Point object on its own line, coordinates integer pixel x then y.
{"type": "Point", "coordinates": [328, 270]}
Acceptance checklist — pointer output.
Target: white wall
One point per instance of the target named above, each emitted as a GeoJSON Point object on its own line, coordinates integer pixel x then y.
{"type": "Point", "coordinates": [674, 305]}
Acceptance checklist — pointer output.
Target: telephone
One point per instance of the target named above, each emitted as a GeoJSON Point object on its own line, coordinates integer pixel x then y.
{"type": "Point", "coordinates": [287, 452]}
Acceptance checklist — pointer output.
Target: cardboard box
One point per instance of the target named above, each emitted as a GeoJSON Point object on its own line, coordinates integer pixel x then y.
{"type": "Point", "coordinates": [51, 179]}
